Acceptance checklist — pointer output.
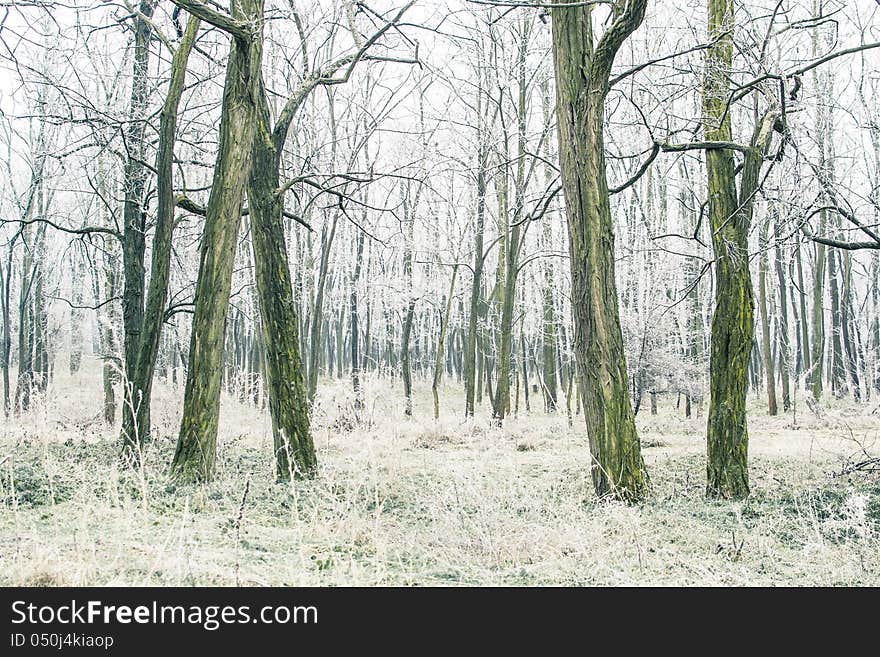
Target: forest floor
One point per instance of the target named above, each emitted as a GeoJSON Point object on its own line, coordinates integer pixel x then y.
{"type": "Point", "coordinates": [419, 502]}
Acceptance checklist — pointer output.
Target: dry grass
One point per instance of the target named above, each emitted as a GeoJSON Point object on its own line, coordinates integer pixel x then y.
{"type": "Point", "coordinates": [422, 502]}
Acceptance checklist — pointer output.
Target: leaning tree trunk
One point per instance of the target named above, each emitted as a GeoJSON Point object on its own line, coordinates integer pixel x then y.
{"type": "Point", "coordinates": [582, 84]}
{"type": "Point", "coordinates": [197, 444]}
{"type": "Point", "coordinates": [288, 400]}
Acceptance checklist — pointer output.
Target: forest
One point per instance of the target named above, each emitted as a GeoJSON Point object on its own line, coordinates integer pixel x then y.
{"type": "Point", "coordinates": [453, 292]}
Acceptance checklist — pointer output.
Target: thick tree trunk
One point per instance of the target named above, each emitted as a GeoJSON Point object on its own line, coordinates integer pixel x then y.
{"type": "Point", "coordinates": [730, 217]}
{"type": "Point", "coordinates": [293, 447]}
{"type": "Point", "coordinates": [582, 83]}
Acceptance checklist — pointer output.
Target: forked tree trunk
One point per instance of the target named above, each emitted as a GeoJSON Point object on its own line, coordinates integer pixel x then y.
{"type": "Point", "coordinates": [732, 340]}
{"type": "Point", "coordinates": [582, 83]}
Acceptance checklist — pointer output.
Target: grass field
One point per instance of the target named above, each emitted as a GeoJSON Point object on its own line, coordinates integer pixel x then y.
{"type": "Point", "coordinates": [419, 502]}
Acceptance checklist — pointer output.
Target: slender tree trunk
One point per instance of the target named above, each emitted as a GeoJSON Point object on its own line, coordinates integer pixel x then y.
{"type": "Point", "coordinates": [315, 337]}
{"type": "Point", "coordinates": [354, 317]}
{"type": "Point", "coordinates": [847, 326]}
{"type": "Point", "coordinates": [804, 323]}
{"type": "Point", "coordinates": [838, 382]}
{"type": "Point", "coordinates": [197, 445]}
{"type": "Point", "coordinates": [769, 365]}
{"type": "Point", "coordinates": [136, 410]}
{"type": "Point", "coordinates": [784, 347]}
{"type": "Point", "coordinates": [6, 344]}
{"type": "Point", "coordinates": [406, 367]}
{"type": "Point", "coordinates": [441, 339]}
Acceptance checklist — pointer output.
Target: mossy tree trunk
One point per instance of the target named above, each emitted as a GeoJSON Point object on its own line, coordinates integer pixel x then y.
{"type": "Point", "coordinates": [293, 447]}
{"type": "Point", "coordinates": [196, 450]}
{"type": "Point", "coordinates": [732, 337]}
{"type": "Point", "coordinates": [582, 83]}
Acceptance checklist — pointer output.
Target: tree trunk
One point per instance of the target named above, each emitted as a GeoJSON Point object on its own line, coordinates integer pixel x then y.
{"type": "Point", "coordinates": [134, 214]}
{"type": "Point", "coordinates": [136, 410]}
{"type": "Point", "coordinates": [730, 217]}
{"type": "Point", "coordinates": [353, 317]}
{"type": "Point", "coordinates": [582, 83]}
{"type": "Point", "coordinates": [197, 444]}
{"type": "Point", "coordinates": [293, 447]}
{"type": "Point", "coordinates": [769, 365]}
{"type": "Point", "coordinates": [441, 340]}
{"type": "Point", "coordinates": [804, 323]}
{"type": "Point", "coordinates": [784, 347]}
